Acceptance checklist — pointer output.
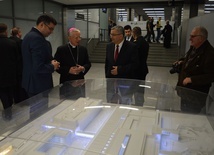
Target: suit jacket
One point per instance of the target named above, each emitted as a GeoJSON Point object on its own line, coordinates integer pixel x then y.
{"type": "Point", "coordinates": [127, 60]}
{"type": "Point", "coordinates": [8, 62]}
{"type": "Point", "coordinates": [200, 69]}
{"type": "Point", "coordinates": [143, 50]}
{"type": "Point", "coordinates": [37, 67]}
{"type": "Point", "coordinates": [132, 39]}
{"type": "Point", "coordinates": [66, 59]}
{"type": "Point", "coordinates": [19, 56]}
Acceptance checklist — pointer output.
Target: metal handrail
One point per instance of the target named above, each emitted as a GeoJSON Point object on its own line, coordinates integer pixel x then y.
{"type": "Point", "coordinates": [94, 36]}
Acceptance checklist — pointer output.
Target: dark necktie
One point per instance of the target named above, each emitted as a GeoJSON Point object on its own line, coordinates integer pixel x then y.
{"type": "Point", "coordinates": [116, 53]}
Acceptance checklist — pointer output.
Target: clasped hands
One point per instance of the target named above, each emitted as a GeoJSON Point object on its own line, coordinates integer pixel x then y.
{"type": "Point", "coordinates": [76, 69]}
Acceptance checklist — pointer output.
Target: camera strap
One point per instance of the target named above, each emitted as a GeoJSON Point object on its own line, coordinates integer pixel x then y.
{"type": "Point", "coordinates": [191, 56]}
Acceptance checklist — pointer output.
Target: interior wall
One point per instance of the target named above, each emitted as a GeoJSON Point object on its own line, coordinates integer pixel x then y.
{"type": "Point", "coordinates": [205, 20]}
{"type": "Point", "coordinates": [24, 14]}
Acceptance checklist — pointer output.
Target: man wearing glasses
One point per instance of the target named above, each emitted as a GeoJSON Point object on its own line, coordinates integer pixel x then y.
{"type": "Point", "coordinates": [121, 62]}
{"type": "Point", "coordinates": [38, 63]}
{"type": "Point", "coordinates": [197, 71]}
{"type": "Point", "coordinates": [121, 56]}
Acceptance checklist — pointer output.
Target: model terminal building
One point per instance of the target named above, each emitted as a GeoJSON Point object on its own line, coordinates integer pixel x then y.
{"type": "Point", "coordinates": [91, 127]}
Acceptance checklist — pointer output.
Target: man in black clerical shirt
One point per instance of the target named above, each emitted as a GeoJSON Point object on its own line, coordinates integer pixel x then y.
{"type": "Point", "coordinates": [73, 58]}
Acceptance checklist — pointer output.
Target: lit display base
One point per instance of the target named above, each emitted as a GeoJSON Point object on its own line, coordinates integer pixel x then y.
{"type": "Point", "coordinates": [90, 127]}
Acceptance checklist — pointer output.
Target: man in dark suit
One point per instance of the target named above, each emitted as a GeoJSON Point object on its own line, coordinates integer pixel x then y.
{"type": "Point", "coordinates": [8, 69]}
{"type": "Point", "coordinates": [128, 33]}
{"type": "Point", "coordinates": [143, 50]}
{"type": "Point", "coordinates": [19, 92]}
{"type": "Point", "coordinates": [73, 58]}
{"type": "Point", "coordinates": [38, 63]}
{"type": "Point", "coordinates": [121, 63]}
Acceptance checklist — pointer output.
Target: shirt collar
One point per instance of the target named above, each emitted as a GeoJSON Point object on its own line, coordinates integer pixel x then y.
{"type": "Point", "coordinates": [120, 45]}
{"type": "Point", "coordinates": [72, 45]}
{"type": "Point", "coordinates": [128, 38]}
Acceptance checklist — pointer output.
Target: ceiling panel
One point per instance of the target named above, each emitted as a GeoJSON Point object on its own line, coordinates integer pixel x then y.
{"type": "Point", "coordinates": [81, 2]}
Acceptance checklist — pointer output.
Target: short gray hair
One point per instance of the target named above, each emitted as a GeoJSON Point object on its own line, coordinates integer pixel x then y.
{"type": "Point", "coordinates": [202, 30]}
{"type": "Point", "coordinates": [71, 30]}
{"type": "Point", "coordinates": [119, 29]}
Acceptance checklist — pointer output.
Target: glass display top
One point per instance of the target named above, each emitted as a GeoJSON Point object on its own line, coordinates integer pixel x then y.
{"type": "Point", "coordinates": [104, 116]}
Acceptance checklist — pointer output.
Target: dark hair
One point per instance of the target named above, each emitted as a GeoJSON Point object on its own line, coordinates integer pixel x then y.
{"type": "Point", "coordinates": [127, 27]}
{"type": "Point", "coordinates": [137, 31]}
{"type": "Point", "coordinates": [15, 31]}
{"type": "Point", "coordinates": [47, 19]}
{"type": "Point", "coordinates": [3, 27]}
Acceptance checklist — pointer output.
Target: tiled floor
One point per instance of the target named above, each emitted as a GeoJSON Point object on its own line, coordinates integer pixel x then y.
{"type": "Point", "coordinates": [156, 74]}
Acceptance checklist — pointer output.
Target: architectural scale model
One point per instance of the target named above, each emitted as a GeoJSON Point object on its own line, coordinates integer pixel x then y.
{"type": "Point", "coordinates": [91, 127]}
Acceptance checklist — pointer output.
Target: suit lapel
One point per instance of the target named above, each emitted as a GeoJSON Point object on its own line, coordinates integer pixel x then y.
{"type": "Point", "coordinates": [123, 48]}
{"type": "Point", "coordinates": [112, 51]}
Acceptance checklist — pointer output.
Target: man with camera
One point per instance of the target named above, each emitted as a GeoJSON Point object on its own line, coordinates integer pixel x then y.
{"type": "Point", "coordinates": [196, 68]}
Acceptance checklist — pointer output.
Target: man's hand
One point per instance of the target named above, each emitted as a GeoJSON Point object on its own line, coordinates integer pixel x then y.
{"type": "Point", "coordinates": [178, 62]}
{"type": "Point", "coordinates": [56, 64]}
{"type": "Point", "coordinates": [77, 83]}
{"type": "Point", "coordinates": [114, 70]}
{"type": "Point", "coordinates": [73, 70]}
{"type": "Point", "coordinates": [80, 68]}
{"type": "Point", "coordinates": [76, 69]}
{"type": "Point", "coordinates": [187, 80]}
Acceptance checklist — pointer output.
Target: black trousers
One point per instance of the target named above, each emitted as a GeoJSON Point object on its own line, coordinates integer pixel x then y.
{"type": "Point", "coordinates": [6, 96]}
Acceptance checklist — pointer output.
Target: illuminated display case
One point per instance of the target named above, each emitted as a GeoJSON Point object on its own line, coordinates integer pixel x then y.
{"type": "Point", "coordinates": [110, 117]}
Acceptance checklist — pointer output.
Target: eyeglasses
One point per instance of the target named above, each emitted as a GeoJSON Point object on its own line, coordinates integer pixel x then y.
{"type": "Point", "coordinates": [193, 36]}
{"type": "Point", "coordinates": [50, 28]}
{"type": "Point", "coordinates": [115, 34]}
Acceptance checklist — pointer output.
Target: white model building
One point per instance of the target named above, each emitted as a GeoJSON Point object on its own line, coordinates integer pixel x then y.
{"type": "Point", "coordinates": [91, 127]}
